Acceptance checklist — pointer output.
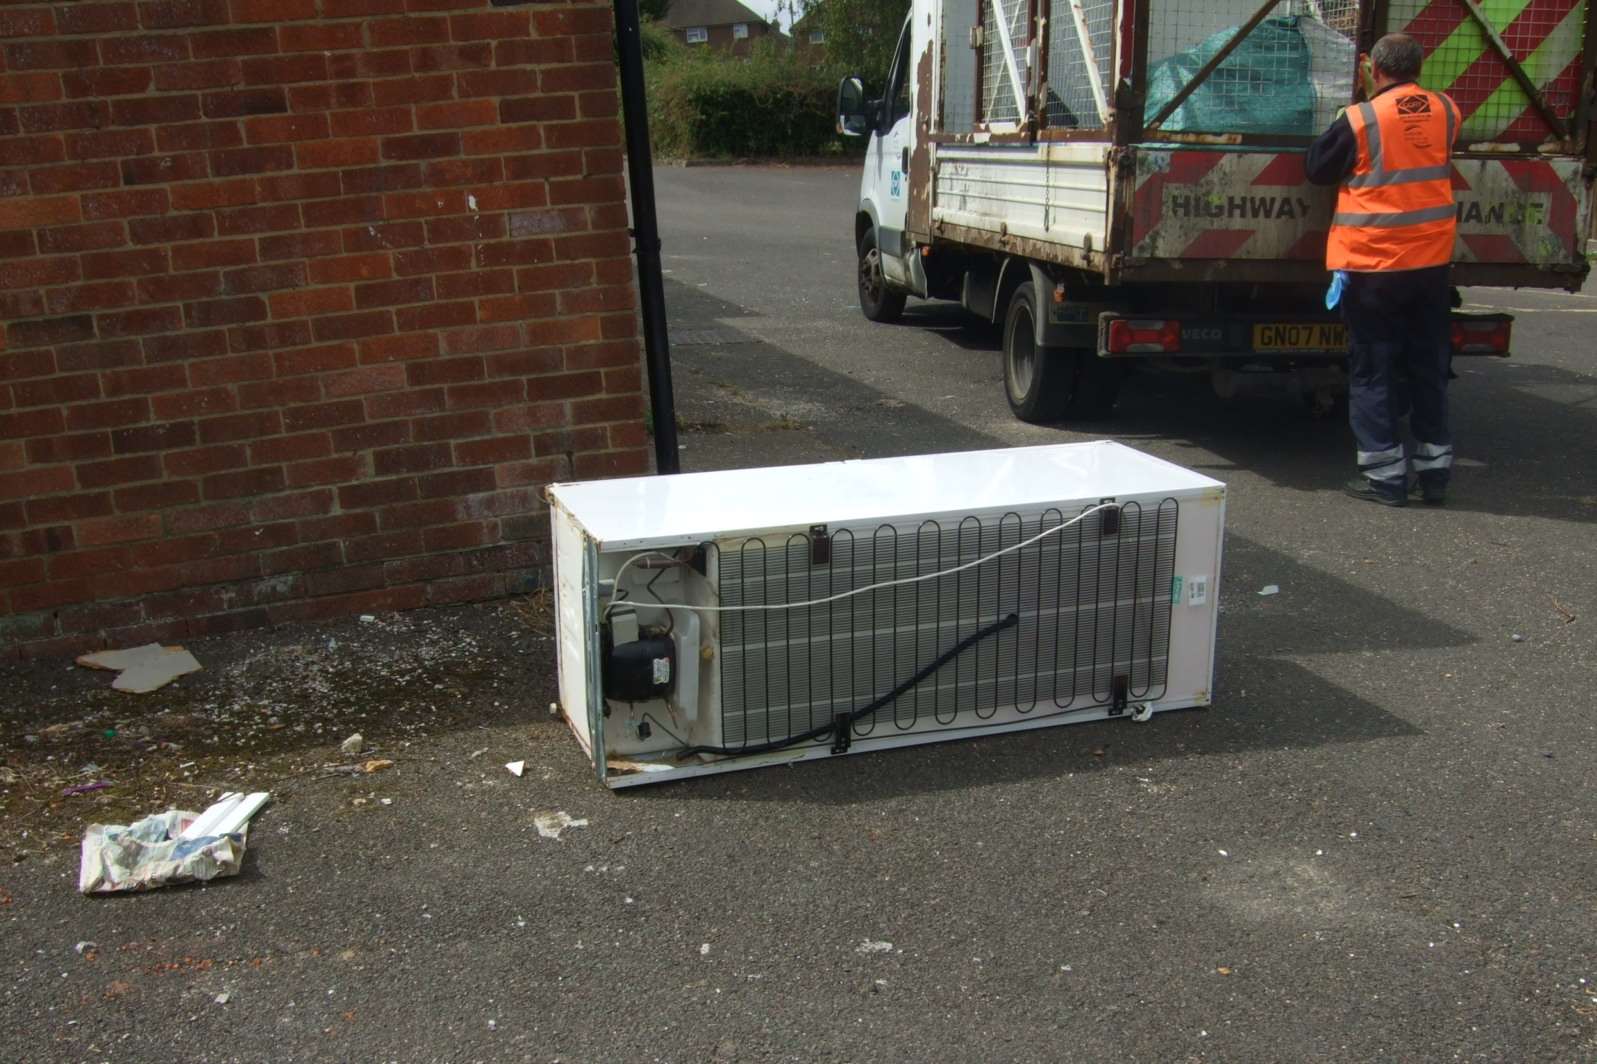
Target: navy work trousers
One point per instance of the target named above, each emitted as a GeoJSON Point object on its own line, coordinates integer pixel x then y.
{"type": "Point", "coordinates": [1399, 354]}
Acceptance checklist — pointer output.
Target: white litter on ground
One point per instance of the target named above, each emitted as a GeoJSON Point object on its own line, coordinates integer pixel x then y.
{"type": "Point", "coordinates": [1270, 589]}
{"type": "Point", "coordinates": [872, 946]}
{"type": "Point", "coordinates": [551, 824]}
{"type": "Point", "coordinates": [516, 768]}
{"type": "Point", "coordinates": [141, 670]}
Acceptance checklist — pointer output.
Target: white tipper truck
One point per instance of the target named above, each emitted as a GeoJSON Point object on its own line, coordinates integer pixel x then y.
{"type": "Point", "coordinates": [1121, 183]}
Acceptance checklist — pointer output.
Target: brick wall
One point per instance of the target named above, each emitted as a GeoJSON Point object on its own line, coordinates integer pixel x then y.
{"type": "Point", "coordinates": [301, 303]}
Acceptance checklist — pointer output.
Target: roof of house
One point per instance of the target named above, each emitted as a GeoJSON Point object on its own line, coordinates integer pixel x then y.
{"type": "Point", "coordinates": [684, 13]}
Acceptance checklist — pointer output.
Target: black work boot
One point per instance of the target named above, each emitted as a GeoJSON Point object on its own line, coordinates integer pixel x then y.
{"type": "Point", "coordinates": [1431, 486]}
{"type": "Point", "coordinates": [1380, 491]}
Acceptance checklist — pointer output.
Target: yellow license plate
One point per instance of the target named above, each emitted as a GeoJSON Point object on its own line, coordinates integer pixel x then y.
{"type": "Point", "coordinates": [1300, 336]}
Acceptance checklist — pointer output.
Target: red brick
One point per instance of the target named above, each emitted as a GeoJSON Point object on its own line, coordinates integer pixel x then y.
{"type": "Point", "coordinates": [216, 253]}
{"type": "Point", "coordinates": [367, 436]}
{"type": "Point", "coordinates": [97, 17]}
{"type": "Point", "coordinates": [391, 293]}
{"type": "Point", "coordinates": [330, 96]}
{"type": "Point", "coordinates": [429, 59]}
{"type": "Point", "coordinates": [285, 69]}
{"type": "Point", "coordinates": [110, 354]}
{"type": "Point", "coordinates": [275, 334]}
{"type": "Point", "coordinates": [154, 110]}
{"type": "Point", "coordinates": [306, 302]}
{"type": "Point", "coordinates": [490, 393]}
{"type": "Point", "coordinates": [280, 129]}
{"type": "Point", "coordinates": [174, 14]}
{"type": "Point", "coordinates": [199, 136]}
{"type": "Point", "coordinates": [245, 482]}
{"type": "Point", "coordinates": [179, 287]}
{"type": "Point", "coordinates": [23, 151]}
{"type": "Point", "coordinates": [336, 470]}
{"type": "Point", "coordinates": [225, 312]}
{"type": "Point", "coordinates": [56, 390]}
{"type": "Point", "coordinates": [231, 369]}
{"type": "Point", "coordinates": [424, 89]}
{"type": "Point", "coordinates": [533, 51]}
{"type": "Point", "coordinates": [533, 305]}
{"type": "Point", "coordinates": [396, 32]}
{"type": "Point", "coordinates": [529, 362]}
{"type": "Point", "coordinates": [306, 557]}
{"type": "Point", "coordinates": [105, 264]}
{"type": "Point", "coordinates": [33, 212]}
{"type": "Point", "coordinates": [457, 114]}
{"type": "Point", "coordinates": [57, 53]}
{"type": "Point", "coordinates": [272, 218]}
{"type": "Point", "coordinates": [30, 273]}
{"type": "Point", "coordinates": [497, 83]}
{"type": "Point", "coordinates": [187, 345]}
{"type": "Point", "coordinates": [210, 74]}
{"type": "Point", "coordinates": [123, 528]}
{"type": "Point", "coordinates": [406, 403]}
{"type": "Point", "coordinates": [264, 278]}
{"type": "Point", "coordinates": [314, 155]}
{"type": "Point", "coordinates": [282, 393]}
{"type": "Point", "coordinates": [461, 425]}
{"type": "Point", "coordinates": [344, 211]}
{"type": "Point", "coordinates": [22, 364]}
{"type": "Point", "coordinates": [233, 42]}
{"type": "Point", "coordinates": [387, 235]}
{"type": "Point", "coordinates": [162, 48]}
{"type": "Point", "coordinates": [202, 460]}
{"type": "Point", "coordinates": [144, 380]}
{"type": "Point", "coordinates": [236, 162]}
{"type": "Point", "coordinates": [320, 37]}
{"type": "Point", "coordinates": [371, 122]}
{"type": "Point", "coordinates": [287, 507]}
{"type": "Point", "coordinates": [50, 331]}
{"type": "Point", "coordinates": [436, 316]}
{"type": "Point", "coordinates": [352, 326]}
{"type": "Point", "coordinates": [596, 132]}
{"type": "Point", "coordinates": [124, 204]}
{"type": "Point", "coordinates": [245, 426]}
{"type": "Point", "coordinates": [503, 140]}
{"type": "Point", "coordinates": [97, 296]}
{"type": "Point", "coordinates": [350, 268]}
{"type": "Point", "coordinates": [163, 496]}
{"type": "Point", "coordinates": [494, 450]}
{"type": "Point", "coordinates": [385, 546]}
{"type": "Point", "coordinates": [116, 471]}
{"type": "Point", "coordinates": [544, 165]}
{"type": "Point", "coordinates": [381, 178]}
{"type": "Point", "coordinates": [423, 204]}
{"type": "Point", "coordinates": [322, 415]}
{"type": "Point", "coordinates": [538, 109]}
{"type": "Point", "coordinates": [198, 402]}
{"type": "Point", "coordinates": [411, 263]}
{"type": "Point", "coordinates": [445, 371]}
{"type": "Point", "coordinates": [492, 26]}
{"type": "Point", "coordinates": [402, 347]}
{"type": "Point", "coordinates": [30, 88]}
{"type": "Point", "coordinates": [471, 228]}
{"type": "Point", "coordinates": [422, 146]}
{"type": "Point", "coordinates": [29, 483]}
{"type": "Point", "coordinates": [273, 10]}
{"type": "Point", "coordinates": [297, 187]}
{"type": "Point", "coordinates": [299, 246]}
{"type": "Point", "coordinates": [168, 230]}
{"type": "Point", "coordinates": [162, 437]}
{"type": "Point", "coordinates": [159, 169]}
{"type": "Point", "coordinates": [530, 417]}
{"type": "Point", "coordinates": [363, 381]}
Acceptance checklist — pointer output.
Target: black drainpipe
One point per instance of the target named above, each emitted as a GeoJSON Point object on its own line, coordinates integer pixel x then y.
{"type": "Point", "coordinates": [646, 237]}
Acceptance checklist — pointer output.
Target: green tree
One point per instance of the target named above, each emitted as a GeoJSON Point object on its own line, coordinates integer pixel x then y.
{"type": "Point", "coordinates": [654, 9]}
{"type": "Point", "coordinates": [861, 34]}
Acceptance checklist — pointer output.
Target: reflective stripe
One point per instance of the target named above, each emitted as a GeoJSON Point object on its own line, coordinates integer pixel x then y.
{"type": "Point", "coordinates": [1430, 456]}
{"type": "Point", "coordinates": [1383, 465]}
{"type": "Point", "coordinates": [1372, 135]}
{"type": "Point", "coordinates": [1396, 218]}
{"type": "Point", "coordinates": [1452, 119]}
{"type": "Point", "coordinates": [1401, 177]}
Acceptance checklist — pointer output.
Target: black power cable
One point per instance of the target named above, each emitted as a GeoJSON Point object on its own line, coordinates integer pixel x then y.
{"type": "Point", "coordinates": [847, 720]}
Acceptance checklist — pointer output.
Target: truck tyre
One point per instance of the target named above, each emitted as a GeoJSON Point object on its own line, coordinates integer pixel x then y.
{"type": "Point", "coordinates": [1046, 384]}
{"type": "Point", "coordinates": [880, 301]}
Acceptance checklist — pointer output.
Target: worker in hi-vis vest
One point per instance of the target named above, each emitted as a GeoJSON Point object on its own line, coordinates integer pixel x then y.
{"type": "Point", "coordinates": [1389, 248]}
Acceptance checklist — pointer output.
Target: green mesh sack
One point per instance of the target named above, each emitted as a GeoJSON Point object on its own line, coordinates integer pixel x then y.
{"type": "Point", "coordinates": [1262, 87]}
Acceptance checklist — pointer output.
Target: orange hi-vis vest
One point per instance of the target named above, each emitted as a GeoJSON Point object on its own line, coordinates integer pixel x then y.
{"type": "Point", "coordinates": [1395, 211]}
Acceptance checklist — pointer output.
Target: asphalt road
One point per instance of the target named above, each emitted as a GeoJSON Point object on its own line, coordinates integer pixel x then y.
{"type": "Point", "coordinates": [1379, 844]}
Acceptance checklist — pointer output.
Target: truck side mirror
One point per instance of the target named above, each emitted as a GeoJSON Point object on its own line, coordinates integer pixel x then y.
{"type": "Point", "coordinates": [852, 120]}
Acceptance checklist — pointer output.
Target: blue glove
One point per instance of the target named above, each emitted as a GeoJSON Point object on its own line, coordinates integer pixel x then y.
{"type": "Point", "coordinates": [1333, 294]}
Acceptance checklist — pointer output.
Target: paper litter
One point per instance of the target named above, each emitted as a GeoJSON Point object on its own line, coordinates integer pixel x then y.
{"type": "Point", "coordinates": [171, 847]}
{"type": "Point", "coordinates": [141, 670]}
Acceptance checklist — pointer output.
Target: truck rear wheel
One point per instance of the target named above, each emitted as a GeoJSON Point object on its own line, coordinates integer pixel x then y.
{"type": "Point", "coordinates": [877, 298]}
{"type": "Point", "coordinates": [1046, 384]}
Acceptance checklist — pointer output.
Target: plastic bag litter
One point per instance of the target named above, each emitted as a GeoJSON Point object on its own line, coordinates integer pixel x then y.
{"type": "Point", "coordinates": [148, 853]}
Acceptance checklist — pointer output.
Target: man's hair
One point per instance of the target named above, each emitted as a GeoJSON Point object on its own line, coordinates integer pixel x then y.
{"type": "Point", "coordinates": [1397, 55]}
